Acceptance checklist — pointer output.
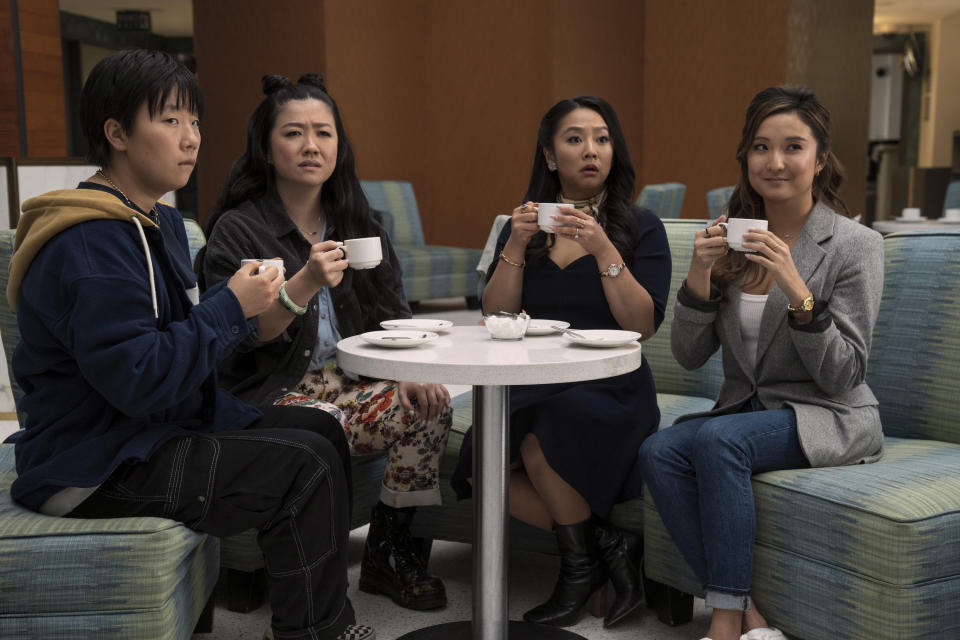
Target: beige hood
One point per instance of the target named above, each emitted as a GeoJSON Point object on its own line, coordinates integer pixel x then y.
{"type": "Point", "coordinates": [47, 215]}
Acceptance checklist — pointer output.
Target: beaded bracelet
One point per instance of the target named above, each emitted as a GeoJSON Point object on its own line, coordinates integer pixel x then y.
{"type": "Point", "coordinates": [512, 263]}
{"type": "Point", "coordinates": [288, 302]}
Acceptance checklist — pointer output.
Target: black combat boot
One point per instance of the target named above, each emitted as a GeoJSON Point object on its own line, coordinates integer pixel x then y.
{"type": "Point", "coordinates": [581, 574]}
{"type": "Point", "coordinates": [391, 564]}
{"type": "Point", "coordinates": [621, 552]}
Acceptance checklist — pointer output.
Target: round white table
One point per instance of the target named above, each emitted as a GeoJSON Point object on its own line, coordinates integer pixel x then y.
{"type": "Point", "coordinates": [467, 355]}
{"type": "Point", "coordinates": [923, 224]}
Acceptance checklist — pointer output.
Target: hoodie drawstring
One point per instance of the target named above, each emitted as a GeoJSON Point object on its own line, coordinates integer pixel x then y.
{"type": "Point", "coordinates": [146, 252]}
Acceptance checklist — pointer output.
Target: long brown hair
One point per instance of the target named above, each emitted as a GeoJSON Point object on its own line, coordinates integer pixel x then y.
{"type": "Point", "coordinates": [745, 202]}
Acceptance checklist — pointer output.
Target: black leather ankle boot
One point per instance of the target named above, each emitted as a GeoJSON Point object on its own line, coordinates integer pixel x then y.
{"type": "Point", "coordinates": [581, 574]}
{"type": "Point", "coordinates": [391, 564]}
{"type": "Point", "coordinates": [621, 552]}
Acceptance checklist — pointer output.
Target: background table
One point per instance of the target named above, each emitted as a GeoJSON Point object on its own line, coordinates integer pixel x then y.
{"type": "Point", "coordinates": [923, 224]}
{"type": "Point", "coordinates": [467, 355]}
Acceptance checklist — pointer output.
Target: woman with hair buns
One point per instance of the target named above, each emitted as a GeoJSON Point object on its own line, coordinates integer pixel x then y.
{"type": "Point", "coordinates": [294, 194]}
{"type": "Point", "coordinates": [794, 317]}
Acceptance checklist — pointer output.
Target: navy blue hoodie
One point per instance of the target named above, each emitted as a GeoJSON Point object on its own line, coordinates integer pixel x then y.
{"type": "Point", "coordinates": [113, 359]}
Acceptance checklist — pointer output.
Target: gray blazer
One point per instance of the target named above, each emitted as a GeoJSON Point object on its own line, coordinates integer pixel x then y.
{"type": "Point", "coordinates": [818, 370]}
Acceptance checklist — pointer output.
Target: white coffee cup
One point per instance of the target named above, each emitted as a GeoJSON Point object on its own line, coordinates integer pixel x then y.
{"type": "Point", "coordinates": [953, 215]}
{"type": "Point", "coordinates": [736, 227]}
{"type": "Point", "coordinates": [269, 262]}
{"type": "Point", "coordinates": [545, 213]}
{"type": "Point", "coordinates": [363, 253]}
{"type": "Point", "coordinates": [910, 213]}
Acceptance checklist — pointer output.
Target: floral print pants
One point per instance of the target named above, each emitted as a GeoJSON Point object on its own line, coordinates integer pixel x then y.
{"type": "Point", "coordinates": [374, 420]}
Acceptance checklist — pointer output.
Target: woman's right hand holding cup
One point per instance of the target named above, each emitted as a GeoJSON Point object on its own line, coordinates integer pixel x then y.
{"type": "Point", "coordinates": [523, 223]}
{"type": "Point", "coordinates": [326, 263]}
{"type": "Point", "coordinates": [710, 244]}
{"type": "Point", "coordinates": [255, 291]}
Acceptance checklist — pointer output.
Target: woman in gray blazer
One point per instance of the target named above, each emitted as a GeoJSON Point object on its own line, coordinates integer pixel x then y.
{"type": "Point", "coordinates": [793, 309]}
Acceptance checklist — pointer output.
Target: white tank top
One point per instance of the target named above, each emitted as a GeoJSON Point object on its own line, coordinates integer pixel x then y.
{"type": "Point", "coordinates": [751, 311]}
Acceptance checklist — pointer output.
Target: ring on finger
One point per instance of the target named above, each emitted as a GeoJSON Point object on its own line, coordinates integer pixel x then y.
{"type": "Point", "coordinates": [577, 234]}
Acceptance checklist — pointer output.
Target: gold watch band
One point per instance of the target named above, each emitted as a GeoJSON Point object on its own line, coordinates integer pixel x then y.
{"type": "Point", "coordinates": [805, 305]}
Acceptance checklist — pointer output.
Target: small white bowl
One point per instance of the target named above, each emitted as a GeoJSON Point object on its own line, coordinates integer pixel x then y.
{"type": "Point", "coordinates": [506, 326]}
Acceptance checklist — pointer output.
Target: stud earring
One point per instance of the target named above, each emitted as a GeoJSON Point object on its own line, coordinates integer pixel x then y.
{"type": "Point", "coordinates": [551, 165]}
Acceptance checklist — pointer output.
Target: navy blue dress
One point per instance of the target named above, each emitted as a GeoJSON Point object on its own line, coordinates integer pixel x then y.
{"type": "Point", "coordinates": [589, 431]}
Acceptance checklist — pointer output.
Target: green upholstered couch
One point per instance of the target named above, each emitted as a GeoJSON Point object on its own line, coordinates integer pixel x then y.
{"type": "Point", "coordinates": [137, 578]}
{"type": "Point", "coordinates": [871, 551]}
{"type": "Point", "coordinates": [429, 271]}
{"type": "Point", "coordinates": [678, 392]}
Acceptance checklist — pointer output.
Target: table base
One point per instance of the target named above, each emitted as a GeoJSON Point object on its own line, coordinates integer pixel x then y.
{"type": "Point", "coordinates": [464, 631]}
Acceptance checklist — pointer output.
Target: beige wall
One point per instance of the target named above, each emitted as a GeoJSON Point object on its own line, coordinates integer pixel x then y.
{"type": "Point", "coordinates": [236, 42]}
{"type": "Point", "coordinates": [944, 109]}
{"type": "Point", "coordinates": [703, 62]}
{"type": "Point", "coordinates": [448, 95]}
{"type": "Point", "coordinates": [830, 49]}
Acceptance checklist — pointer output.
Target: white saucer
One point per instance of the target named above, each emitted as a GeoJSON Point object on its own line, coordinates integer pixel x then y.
{"type": "Point", "coordinates": [398, 339]}
{"type": "Point", "coordinates": [603, 337]}
{"type": "Point", "coordinates": [417, 324]}
{"type": "Point", "coordinates": [949, 220]}
{"type": "Point", "coordinates": [902, 219]}
{"type": "Point", "coordinates": [545, 327]}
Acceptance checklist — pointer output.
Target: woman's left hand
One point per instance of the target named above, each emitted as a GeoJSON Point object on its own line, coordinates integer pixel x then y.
{"type": "Point", "coordinates": [773, 254]}
{"type": "Point", "coordinates": [582, 228]}
{"type": "Point", "coordinates": [431, 399]}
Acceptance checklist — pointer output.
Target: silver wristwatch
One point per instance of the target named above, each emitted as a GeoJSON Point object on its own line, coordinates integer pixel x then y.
{"type": "Point", "coordinates": [613, 270]}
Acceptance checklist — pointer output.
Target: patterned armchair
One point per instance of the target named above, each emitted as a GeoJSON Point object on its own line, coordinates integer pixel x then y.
{"type": "Point", "coordinates": [717, 200]}
{"type": "Point", "coordinates": [665, 200]}
{"type": "Point", "coordinates": [147, 578]}
{"type": "Point", "coordinates": [870, 551]}
{"type": "Point", "coordinates": [952, 199]}
{"type": "Point", "coordinates": [429, 271]}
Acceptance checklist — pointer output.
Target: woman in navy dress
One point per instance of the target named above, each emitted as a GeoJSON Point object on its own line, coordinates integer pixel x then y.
{"type": "Point", "coordinates": [605, 266]}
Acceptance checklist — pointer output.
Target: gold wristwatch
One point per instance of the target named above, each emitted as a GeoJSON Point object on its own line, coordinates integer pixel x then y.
{"type": "Point", "coordinates": [806, 305]}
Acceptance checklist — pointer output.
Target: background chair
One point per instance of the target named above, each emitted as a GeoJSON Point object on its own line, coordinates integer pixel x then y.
{"type": "Point", "coordinates": [71, 578]}
{"type": "Point", "coordinates": [717, 200]}
{"type": "Point", "coordinates": [665, 200]}
{"type": "Point", "coordinates": [429, 271]}
{"type": "Point", "coordinates": [952, 200]}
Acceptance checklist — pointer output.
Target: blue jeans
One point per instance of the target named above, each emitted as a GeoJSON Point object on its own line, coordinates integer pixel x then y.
{"type": "Point", "coordinates": [698, 473]}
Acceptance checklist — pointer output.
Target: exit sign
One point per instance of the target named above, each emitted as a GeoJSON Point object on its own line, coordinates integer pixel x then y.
{"type": "Point", "coordinates": [133, 20]}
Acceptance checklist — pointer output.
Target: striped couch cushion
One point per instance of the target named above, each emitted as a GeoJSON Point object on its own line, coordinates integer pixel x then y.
{"type": "Point", "coordinates": [916, 342]}
{"type": "Point", "coordinates": [668, 375]}
{"type": "Point", "coordinates": [872, 547]}
{"type": "Point", "coordinates": [433, 271]}
{"type": "Point", "coordinates": [117, 578]}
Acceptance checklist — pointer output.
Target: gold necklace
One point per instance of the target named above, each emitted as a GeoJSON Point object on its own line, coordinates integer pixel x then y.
{"type": "Point", "coordinates": [153, 210]}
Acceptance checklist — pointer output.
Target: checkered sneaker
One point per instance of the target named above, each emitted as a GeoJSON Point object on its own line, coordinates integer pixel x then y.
{"type": "Point", "coordinates": [352, 632]}
{"type": "Point", "coordinates": [358, 632]}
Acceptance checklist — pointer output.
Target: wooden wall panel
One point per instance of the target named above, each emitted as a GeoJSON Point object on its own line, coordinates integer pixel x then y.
{"type": "Point", "coordinates": [830, 47]}
{"type": "Point", "coordinates": [703, 64]}
{"type": "Point", "coordinates": [236, 42]}
{"type": "Point", "coordinates": [9, 102]}
{"type": "Point", "coordinates": [42, 78]}
{"type": "Point", "coordinates": [449, 95]}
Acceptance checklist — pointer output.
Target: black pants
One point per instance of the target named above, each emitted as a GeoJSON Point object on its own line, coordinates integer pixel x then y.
{"type": "Point", "coordinates": [288, 476]}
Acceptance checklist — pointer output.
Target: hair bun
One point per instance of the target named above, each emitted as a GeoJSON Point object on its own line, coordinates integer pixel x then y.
{"type": "Point", "coordinates": [314, 80]}
{"type": "Point", "coordinates": [270, 84]}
